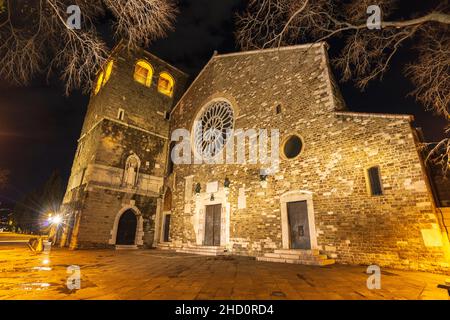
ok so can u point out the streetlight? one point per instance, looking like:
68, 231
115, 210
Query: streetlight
57, 220
54, 221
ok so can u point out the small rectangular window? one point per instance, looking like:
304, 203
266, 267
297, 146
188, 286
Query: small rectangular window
278, 109
167, 115
121, 114
375, 184
170, 162
80, 148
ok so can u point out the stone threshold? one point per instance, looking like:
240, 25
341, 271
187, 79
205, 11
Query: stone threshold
126, 247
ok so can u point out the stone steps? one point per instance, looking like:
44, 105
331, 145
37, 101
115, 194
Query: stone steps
166, 246
126, 247
203, 250
306, 257
194, 249
298, 261
297, 256
313, 252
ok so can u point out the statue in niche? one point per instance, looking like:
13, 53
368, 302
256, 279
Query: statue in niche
131, 171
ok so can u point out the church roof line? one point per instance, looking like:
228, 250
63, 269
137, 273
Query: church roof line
375, 115
267, 50
242, 53
192, 84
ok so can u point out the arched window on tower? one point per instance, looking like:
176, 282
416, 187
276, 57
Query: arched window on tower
108, 71
104, 76
143, 73
99, 83
166, 84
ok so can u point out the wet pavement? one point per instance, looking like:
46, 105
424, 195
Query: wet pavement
156, 274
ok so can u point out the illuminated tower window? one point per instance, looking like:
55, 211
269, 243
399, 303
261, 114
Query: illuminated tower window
143, 73
99, 83
104, 76
166, 84
108, 71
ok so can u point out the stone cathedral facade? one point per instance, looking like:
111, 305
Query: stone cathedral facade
342, 186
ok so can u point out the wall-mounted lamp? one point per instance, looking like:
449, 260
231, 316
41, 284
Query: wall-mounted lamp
263, 179
226, 182
212, 197
226, 185
198, 188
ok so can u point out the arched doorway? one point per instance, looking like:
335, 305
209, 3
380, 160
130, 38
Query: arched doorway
126, 230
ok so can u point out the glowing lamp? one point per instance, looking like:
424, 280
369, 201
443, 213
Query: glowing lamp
57, 219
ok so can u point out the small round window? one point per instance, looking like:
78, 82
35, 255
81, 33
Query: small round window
292, 147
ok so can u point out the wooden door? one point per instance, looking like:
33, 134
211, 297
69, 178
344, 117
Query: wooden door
298, 225
166, 228
212, 225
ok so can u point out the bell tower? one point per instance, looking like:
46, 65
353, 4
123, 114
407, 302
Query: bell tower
116, 181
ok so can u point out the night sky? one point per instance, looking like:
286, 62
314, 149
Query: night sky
39, 126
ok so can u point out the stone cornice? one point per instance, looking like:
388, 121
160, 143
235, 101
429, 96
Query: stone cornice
375, 115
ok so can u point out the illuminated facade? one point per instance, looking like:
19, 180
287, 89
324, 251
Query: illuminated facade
348, 187
118, 172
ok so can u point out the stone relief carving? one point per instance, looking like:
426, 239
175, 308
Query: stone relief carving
131, 171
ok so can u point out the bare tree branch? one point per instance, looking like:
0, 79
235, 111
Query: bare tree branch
367, 54
35, 37
3, 178
431, 72
142, 21
439, 155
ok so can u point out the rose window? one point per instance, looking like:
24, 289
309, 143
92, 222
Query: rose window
213, 128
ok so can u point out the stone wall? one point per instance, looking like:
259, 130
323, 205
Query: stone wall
97, 194
144, 107
100, 209
397, 229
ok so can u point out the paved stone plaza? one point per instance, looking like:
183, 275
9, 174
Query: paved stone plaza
154, 274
